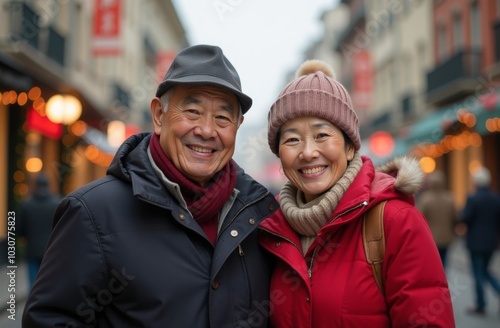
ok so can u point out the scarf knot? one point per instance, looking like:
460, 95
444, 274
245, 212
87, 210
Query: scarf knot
205, 202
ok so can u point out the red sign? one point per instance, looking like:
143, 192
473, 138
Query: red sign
131, 129
43, 125
106, 29
163, 61
381, 144
489, 101
363, 80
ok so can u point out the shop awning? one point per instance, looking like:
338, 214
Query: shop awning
483, 115
99, 139
431, 128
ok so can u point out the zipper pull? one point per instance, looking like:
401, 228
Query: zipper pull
240, 250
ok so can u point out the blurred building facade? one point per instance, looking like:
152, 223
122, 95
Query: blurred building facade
426, 73
108, 54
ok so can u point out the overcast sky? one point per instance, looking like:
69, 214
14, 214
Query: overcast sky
264, 39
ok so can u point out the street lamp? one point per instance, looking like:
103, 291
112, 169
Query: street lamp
63, 109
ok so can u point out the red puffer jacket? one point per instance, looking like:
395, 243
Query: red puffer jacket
333, 285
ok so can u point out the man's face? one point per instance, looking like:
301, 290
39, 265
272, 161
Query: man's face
198, 130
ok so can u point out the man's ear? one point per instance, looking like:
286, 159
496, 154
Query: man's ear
156, 113
241, 121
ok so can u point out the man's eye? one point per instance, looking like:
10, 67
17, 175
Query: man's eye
223, 118
191, 113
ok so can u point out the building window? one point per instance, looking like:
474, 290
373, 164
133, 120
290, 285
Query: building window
475, 25
442, 44
457, 32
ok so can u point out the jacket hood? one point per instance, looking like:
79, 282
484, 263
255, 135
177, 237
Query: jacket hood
400, 178
120, 165
404, 172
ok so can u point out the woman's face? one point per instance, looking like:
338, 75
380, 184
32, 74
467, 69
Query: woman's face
313, 154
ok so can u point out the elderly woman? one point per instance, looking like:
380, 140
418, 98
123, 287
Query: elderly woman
322, 277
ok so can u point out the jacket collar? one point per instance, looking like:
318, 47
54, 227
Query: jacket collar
400, 178
131, 164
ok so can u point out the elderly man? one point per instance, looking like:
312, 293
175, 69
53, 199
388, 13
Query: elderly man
169, 237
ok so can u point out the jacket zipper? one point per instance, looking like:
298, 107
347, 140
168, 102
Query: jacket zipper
309, 271
364, 203
245, 272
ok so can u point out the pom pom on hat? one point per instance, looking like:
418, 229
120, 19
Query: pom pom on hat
314, 65
314, 92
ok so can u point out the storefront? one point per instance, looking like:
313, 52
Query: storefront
30, 142
459, 138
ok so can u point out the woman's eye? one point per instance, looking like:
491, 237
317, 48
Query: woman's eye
290, 140
321, 135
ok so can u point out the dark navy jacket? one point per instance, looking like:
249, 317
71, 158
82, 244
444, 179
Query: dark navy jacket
124, 253
482, 217
35, 222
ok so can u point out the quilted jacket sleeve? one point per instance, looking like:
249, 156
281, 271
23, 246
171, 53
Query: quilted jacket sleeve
416, 287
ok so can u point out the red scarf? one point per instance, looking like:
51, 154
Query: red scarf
206, 202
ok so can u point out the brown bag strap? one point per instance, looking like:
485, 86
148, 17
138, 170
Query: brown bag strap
374, 241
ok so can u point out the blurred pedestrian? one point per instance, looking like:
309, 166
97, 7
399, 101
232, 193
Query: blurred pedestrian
35, 223
168, 238
481, 215
437, 205
322, 278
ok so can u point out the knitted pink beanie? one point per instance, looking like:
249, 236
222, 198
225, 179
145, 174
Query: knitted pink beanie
314, 92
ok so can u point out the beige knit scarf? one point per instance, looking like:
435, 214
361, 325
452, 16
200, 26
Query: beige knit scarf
308, 218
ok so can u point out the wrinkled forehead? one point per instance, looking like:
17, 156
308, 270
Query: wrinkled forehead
194, 93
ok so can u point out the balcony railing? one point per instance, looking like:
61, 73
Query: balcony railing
26, 29
465, 64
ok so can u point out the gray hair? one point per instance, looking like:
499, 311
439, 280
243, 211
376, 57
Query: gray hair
165, 99
481, 177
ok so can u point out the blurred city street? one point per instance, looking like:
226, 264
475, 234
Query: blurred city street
459, 279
